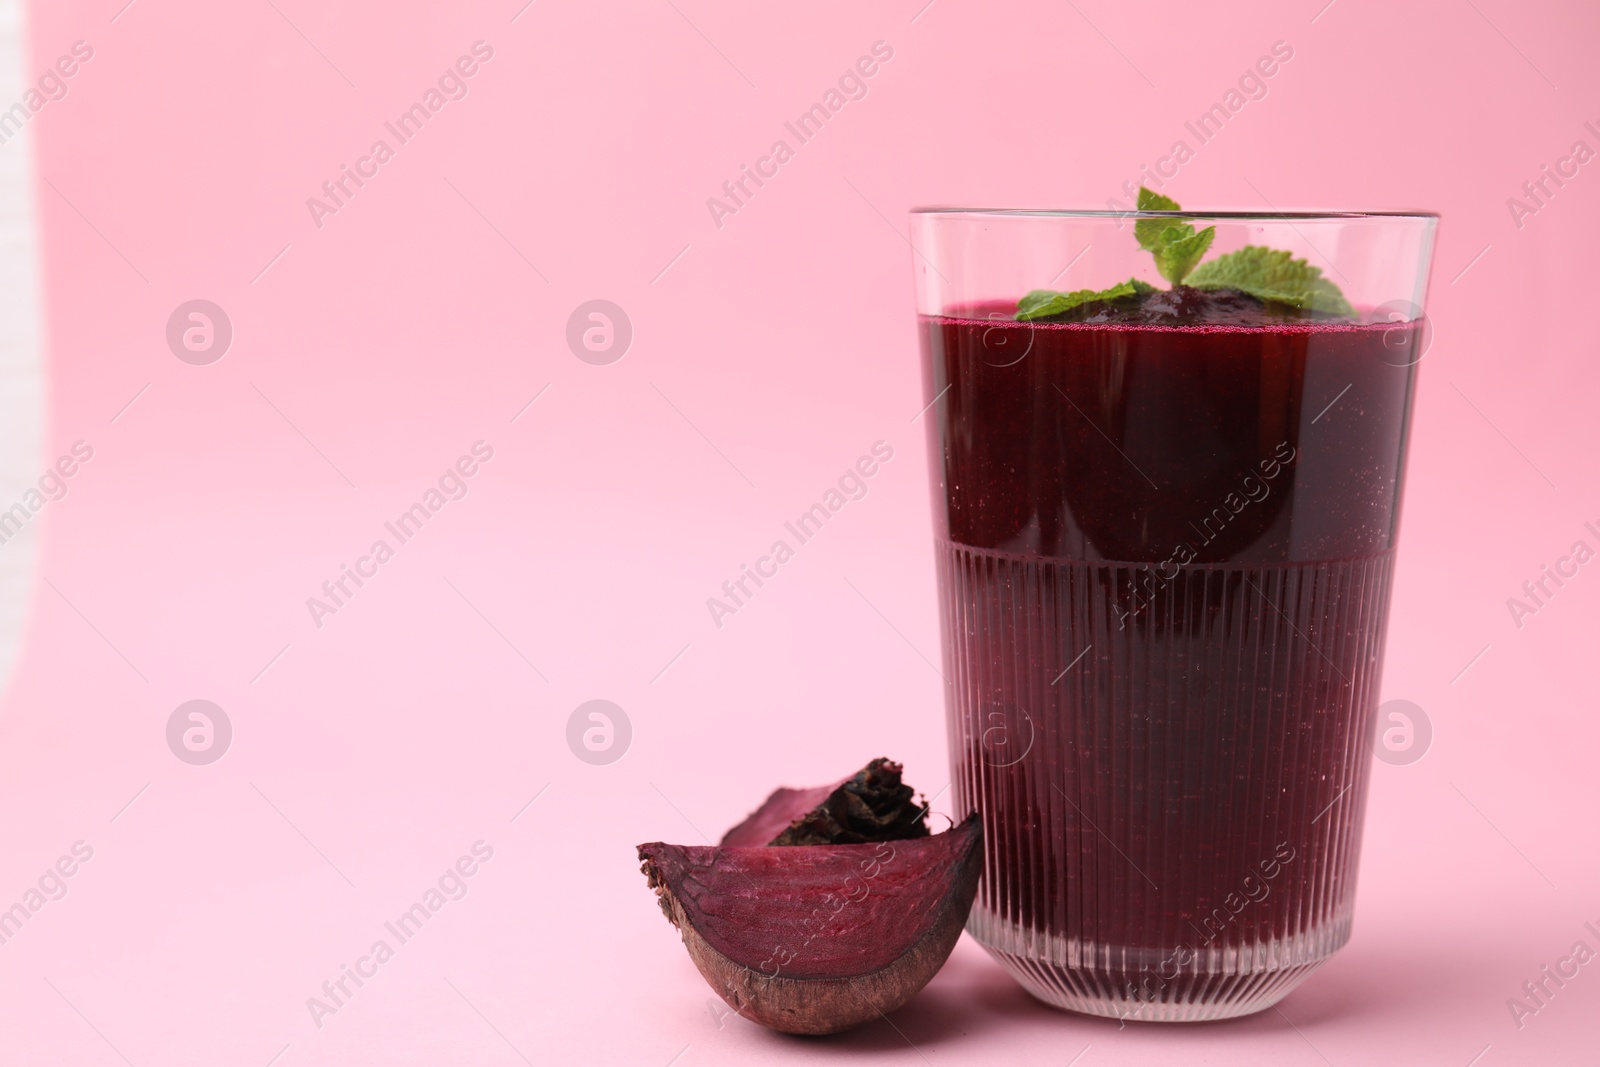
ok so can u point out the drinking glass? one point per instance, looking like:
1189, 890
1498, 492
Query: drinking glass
1165, 550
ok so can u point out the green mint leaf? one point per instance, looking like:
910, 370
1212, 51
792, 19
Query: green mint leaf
1178, 256
1175, 245
1150, 200
1149, 232
1273, 275
1043, 303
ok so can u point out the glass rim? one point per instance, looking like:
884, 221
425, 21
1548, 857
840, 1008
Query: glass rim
1199, 216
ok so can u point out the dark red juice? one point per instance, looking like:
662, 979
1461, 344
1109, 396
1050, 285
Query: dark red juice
1165, 556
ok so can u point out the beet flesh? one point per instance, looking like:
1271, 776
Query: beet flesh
783, 807
817, 939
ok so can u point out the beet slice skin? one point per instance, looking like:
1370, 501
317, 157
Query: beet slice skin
871, 805
818, 939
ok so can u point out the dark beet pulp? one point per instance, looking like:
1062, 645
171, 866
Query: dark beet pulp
1166, 533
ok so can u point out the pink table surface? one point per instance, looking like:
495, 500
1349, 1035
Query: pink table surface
768, 352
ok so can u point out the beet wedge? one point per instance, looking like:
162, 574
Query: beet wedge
817, 939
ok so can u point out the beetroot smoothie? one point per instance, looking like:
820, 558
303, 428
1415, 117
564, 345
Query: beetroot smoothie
1165, 538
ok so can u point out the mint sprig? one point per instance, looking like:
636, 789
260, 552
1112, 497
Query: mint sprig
1268, 274
1175, 245
1042, 303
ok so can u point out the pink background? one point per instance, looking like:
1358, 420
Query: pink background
766, 357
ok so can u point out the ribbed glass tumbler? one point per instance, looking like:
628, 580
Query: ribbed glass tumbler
1165, 529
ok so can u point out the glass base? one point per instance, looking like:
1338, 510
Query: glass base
1129, 984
